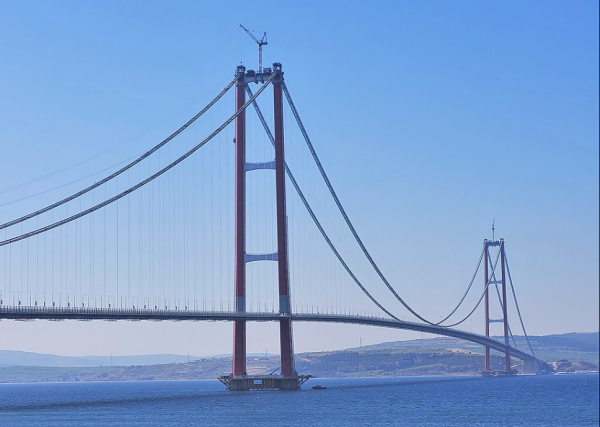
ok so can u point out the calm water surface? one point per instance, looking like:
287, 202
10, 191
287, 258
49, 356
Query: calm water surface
567, 400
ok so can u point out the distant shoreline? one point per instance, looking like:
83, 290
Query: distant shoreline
432, 357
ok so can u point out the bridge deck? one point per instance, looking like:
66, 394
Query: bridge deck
25, 313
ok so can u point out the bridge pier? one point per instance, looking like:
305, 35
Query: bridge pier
264, 382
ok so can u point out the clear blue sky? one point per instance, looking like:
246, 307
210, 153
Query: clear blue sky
432, 118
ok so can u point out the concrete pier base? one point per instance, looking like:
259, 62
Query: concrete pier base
263, 382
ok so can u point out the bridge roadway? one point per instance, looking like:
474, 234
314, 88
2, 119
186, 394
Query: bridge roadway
25, 313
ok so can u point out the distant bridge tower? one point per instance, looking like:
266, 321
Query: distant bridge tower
489, 280
239, 380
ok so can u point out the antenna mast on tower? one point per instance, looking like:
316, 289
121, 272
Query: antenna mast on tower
262, 42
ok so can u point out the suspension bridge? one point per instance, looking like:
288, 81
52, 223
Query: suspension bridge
200, 229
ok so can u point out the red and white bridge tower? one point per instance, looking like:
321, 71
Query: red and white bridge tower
239, 379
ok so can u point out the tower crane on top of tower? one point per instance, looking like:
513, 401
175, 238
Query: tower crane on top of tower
262, 42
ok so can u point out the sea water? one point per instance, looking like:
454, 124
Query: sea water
554, 400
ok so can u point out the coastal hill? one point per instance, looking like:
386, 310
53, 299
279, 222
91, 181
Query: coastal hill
575, 346
575, 352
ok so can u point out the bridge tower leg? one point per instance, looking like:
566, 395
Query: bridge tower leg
507, 368
239, 326
285, 325
486, 279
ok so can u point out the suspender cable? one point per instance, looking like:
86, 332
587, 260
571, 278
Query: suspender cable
124, 168
147, 180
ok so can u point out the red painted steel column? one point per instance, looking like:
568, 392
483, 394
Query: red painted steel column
239, 326
505, 308
285, 325
486, 358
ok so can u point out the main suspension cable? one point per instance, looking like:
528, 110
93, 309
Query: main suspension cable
124, 168
314, 217
66, 184
502, 304
147, 180
487, 285
517, 305
351, 226
467, 291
